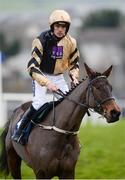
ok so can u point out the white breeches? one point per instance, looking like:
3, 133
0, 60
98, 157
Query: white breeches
42, 95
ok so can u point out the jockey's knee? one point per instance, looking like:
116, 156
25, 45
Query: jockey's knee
37, 104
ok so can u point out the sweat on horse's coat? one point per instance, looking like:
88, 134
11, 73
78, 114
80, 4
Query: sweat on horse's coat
50, 153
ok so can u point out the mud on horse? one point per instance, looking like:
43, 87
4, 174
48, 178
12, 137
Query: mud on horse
53, 149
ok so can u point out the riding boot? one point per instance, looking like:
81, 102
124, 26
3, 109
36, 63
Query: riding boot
22, 123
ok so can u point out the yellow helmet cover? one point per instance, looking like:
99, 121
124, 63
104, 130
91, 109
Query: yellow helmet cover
59, 16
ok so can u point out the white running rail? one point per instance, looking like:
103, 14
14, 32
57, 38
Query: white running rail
7, 103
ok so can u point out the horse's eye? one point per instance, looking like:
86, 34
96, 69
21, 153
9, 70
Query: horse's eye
98, 88
111, 87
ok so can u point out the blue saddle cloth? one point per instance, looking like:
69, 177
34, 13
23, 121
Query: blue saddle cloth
38, 117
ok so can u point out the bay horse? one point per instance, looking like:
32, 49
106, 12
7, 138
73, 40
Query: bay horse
53, 146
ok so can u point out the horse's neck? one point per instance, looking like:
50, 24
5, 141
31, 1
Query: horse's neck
70, 114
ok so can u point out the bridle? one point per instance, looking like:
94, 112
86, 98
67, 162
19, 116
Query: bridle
98, 107
89, 91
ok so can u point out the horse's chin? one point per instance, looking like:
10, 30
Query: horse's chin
112, 120
112, 117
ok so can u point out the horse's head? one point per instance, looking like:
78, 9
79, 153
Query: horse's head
99, 95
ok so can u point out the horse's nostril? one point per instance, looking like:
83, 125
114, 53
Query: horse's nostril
118, 114
115, 113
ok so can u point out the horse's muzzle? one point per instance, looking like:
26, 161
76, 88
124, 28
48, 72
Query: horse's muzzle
114, 116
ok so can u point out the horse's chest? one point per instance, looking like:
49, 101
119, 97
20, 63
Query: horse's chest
68, 156
67, 151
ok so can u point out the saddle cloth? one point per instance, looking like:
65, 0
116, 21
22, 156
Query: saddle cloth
38, 117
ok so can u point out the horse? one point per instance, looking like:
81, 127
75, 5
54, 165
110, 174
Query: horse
53, 146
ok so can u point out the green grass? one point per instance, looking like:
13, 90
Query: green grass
102, 153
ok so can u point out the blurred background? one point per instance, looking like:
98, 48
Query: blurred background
98, 26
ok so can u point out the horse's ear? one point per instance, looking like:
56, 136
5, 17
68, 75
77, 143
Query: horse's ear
89, 71
108, 71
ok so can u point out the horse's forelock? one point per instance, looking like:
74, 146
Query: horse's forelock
93, 76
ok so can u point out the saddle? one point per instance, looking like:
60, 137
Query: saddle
38, 117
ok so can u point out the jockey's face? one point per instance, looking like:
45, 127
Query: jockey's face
59, 29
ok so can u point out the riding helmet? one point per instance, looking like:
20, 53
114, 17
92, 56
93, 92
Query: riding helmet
59, 16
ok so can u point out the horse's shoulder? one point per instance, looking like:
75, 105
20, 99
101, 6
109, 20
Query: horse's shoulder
22, 107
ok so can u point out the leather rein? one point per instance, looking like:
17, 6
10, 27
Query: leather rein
98, 108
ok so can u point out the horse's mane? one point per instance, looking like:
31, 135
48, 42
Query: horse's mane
92, 77
96, 74
73, 88
67, 93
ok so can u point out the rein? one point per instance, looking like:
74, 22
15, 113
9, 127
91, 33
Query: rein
59, 92
53, 127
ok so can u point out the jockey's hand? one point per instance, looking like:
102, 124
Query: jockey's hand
74, 81
52, 87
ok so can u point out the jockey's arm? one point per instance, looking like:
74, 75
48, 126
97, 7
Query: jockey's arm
74, 64
34, 66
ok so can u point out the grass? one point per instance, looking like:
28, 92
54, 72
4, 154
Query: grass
102, 153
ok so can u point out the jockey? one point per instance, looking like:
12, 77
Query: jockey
53, 52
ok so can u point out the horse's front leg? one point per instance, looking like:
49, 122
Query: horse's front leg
67, 174
42, 175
